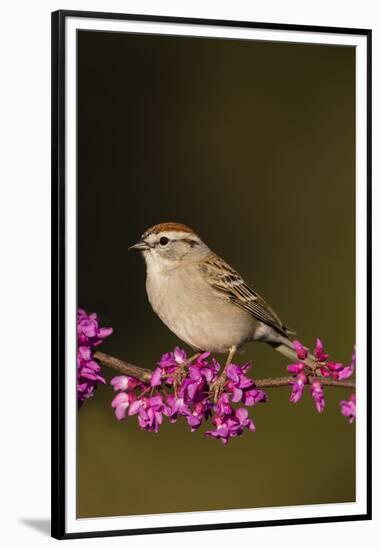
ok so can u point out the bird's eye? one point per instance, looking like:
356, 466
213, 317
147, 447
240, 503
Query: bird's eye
163, 241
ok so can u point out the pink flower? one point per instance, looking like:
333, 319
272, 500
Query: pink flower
223, 405
180, 356
318, 395
89, 335
150, 412
88, 330
298, 387
301, 351
200, 412
319, 354
156, 377
231, 425
242, 416
176, 405
345, 372
348, 408
121, 403
173, 359
199, 378
337, 371
243, 388
168, 364
296, 368
123, 383
254, 396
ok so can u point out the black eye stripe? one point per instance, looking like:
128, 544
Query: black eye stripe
163, 241
191, 242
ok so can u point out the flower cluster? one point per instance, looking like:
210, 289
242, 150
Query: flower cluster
314, 369
188, 392
89, 336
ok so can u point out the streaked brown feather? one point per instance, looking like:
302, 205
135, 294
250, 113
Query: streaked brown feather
229, 283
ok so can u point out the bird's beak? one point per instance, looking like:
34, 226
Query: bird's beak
141, 245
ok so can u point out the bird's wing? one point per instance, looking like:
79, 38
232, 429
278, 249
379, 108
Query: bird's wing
230, 285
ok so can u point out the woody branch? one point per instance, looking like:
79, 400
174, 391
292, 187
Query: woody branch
144, 375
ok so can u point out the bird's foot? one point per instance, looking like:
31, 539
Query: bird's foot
218, 386
178, 376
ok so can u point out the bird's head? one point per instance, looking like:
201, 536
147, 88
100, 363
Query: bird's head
166, 243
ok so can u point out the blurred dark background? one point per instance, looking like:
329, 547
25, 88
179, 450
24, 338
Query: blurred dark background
253, 145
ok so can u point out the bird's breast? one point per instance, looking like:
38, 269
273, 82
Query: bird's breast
173, 296
187, 304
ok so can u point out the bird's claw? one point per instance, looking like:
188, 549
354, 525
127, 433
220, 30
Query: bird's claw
218, 386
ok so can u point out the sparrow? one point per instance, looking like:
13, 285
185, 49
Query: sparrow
202, 299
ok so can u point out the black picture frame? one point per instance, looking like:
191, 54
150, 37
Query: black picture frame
59, 244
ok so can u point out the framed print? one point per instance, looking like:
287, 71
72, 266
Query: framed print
211, 362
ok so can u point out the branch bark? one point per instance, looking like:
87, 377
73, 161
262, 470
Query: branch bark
123, 367
145, 374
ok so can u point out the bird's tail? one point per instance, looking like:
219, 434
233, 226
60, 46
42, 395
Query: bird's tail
286, 348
